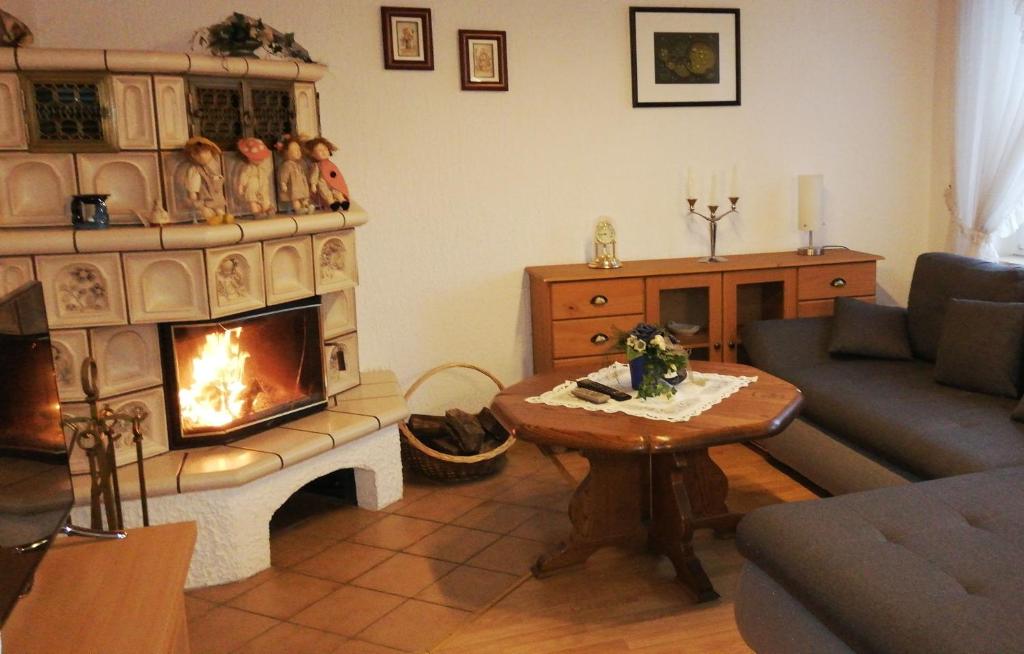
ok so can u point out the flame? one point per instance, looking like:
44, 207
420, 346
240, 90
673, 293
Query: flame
215, 397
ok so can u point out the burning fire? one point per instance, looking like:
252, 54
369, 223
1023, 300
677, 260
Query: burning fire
217, 395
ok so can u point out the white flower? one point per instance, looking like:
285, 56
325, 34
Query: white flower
659, 342
634, 343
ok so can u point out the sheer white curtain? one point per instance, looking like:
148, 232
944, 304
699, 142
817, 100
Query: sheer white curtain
988, 177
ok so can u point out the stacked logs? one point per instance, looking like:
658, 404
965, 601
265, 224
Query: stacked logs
459, 433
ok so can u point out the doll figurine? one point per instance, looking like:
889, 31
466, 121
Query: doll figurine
325, 178
204, 185
252, 184
292, 181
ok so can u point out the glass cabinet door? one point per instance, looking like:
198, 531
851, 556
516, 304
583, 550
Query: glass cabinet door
690, 307
752, 295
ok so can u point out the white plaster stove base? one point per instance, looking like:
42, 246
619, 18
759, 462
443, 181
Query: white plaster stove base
234, 523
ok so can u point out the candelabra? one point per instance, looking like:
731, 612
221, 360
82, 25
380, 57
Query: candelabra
713, 217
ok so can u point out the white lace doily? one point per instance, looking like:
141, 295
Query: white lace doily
698, 393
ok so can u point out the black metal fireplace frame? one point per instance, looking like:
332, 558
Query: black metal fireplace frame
176, 439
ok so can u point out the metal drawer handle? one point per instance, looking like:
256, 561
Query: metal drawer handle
599, 338
598, 300
718, 346
838, 282
732, 345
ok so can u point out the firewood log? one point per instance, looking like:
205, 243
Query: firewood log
468, 432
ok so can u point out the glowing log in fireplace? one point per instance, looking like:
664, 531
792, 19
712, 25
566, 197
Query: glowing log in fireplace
218, 393
234, 376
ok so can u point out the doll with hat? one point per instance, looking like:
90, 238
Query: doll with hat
252, 183
204, 184
292, 179
325, 178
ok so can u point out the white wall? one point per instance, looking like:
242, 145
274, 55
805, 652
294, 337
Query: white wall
465, 189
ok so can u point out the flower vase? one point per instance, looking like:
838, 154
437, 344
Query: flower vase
636, 371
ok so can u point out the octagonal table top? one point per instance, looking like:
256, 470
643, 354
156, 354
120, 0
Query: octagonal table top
761, 409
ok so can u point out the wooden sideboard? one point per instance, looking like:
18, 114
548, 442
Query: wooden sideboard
579, 313
115, 597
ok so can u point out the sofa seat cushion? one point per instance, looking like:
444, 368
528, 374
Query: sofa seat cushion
928, 567
896, 409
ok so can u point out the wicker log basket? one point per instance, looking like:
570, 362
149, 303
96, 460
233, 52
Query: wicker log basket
440, 466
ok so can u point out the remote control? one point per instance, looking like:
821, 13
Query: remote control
592, 385
590, 396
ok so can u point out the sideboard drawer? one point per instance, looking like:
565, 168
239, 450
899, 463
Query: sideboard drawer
849, 279
591, 336
609, 297
820, 308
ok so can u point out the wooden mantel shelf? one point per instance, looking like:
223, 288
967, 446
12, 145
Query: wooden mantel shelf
652, 267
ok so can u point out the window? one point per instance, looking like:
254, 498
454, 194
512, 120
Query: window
69, 112
226, 110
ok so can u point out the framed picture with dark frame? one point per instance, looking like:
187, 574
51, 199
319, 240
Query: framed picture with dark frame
483, 60
408, 39
684, 56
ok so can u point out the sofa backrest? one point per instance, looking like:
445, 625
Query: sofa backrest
938, 277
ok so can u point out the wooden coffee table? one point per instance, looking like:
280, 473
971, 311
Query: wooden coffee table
648, 475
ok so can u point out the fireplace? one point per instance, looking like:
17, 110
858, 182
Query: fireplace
228, 378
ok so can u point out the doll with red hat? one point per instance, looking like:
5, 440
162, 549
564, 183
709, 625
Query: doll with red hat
252, 185
325, 178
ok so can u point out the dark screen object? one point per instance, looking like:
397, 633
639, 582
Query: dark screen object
35, 480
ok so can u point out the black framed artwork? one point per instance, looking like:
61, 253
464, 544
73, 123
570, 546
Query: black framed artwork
685, 56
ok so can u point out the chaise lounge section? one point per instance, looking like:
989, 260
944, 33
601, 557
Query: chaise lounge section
934, 566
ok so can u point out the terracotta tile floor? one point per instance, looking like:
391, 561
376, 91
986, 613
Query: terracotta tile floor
446, 569
345, 580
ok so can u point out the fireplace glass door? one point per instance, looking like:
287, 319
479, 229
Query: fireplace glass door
232, 377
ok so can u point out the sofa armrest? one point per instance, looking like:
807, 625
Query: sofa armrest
779, 345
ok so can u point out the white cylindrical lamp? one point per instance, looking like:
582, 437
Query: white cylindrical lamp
810, 209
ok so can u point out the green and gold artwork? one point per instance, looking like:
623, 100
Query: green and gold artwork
686, 58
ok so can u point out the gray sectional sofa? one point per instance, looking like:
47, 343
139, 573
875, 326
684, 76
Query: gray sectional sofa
930, 556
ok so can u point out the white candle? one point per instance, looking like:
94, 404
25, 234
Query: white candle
689, 183
734, 186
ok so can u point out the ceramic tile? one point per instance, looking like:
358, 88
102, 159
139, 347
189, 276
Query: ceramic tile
221, 466
468, 588
512, 555
371, 391
287, 638
283, 595
546, 526
347, 611
363, 647
224, 592
486, 488
395, 532
343, 562
379, 376
415, 626
388, 410
342, 427
441, 506
196, 608
495, 516
403, 574
342, 522
294, 545
291, 445
455, 544
225, 629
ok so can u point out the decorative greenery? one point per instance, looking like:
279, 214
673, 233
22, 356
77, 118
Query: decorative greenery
663, 358
241, 35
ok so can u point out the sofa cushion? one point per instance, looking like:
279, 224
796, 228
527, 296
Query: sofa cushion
869, 330
980, 348
895, 409
938, 277
928, 567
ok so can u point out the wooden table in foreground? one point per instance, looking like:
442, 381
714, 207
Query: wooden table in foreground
648, 475
115, 597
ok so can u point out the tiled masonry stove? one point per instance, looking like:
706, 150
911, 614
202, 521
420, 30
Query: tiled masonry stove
225, 334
